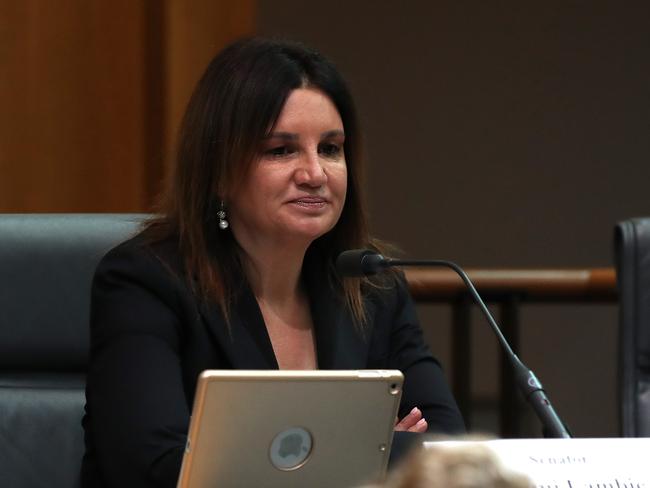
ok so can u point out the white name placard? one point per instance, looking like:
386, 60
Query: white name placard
573, 463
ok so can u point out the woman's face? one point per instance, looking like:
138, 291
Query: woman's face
296, 188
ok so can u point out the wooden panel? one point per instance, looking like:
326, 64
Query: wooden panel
196, 31
91, 93
71, 120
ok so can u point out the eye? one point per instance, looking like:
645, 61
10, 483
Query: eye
330, 149
278, 151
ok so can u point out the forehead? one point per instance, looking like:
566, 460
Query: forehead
308, 109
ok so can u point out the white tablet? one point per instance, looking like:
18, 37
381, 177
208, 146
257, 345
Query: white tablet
290, 428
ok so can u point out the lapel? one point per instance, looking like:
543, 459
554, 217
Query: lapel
246, 343
338, 343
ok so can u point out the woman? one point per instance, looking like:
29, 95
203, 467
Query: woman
237, 272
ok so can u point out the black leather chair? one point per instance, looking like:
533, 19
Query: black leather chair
46, 266
632, 249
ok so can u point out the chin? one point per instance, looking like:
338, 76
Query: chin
308, 232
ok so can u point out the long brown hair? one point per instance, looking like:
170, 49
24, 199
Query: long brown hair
234, 105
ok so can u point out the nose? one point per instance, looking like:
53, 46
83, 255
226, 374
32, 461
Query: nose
310, 171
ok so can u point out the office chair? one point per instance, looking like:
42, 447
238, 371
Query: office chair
632, 253
46, 266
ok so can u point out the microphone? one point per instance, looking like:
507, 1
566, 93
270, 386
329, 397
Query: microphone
365, 262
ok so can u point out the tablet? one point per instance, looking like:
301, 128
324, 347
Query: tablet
290, 428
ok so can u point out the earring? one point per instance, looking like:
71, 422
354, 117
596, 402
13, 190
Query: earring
221, 214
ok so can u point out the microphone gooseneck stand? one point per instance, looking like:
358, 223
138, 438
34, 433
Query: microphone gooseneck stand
366, 262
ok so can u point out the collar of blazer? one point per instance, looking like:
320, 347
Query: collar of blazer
339, 345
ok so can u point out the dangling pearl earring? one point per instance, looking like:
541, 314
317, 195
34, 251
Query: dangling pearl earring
223, 223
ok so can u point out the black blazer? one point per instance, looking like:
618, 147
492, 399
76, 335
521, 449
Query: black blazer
151, 338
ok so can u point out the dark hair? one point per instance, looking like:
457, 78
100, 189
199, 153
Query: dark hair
235, 104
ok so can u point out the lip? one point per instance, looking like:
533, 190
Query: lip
309, 201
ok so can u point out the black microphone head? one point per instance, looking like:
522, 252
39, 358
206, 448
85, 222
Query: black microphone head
359, 262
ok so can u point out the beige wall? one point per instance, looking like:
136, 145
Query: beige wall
501, 134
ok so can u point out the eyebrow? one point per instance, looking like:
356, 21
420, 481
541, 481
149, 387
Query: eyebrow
289, 136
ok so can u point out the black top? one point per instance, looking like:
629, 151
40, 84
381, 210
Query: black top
151, 338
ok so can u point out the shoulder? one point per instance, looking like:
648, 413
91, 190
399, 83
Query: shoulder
140, 256
139, 288
387, 291
141, 267
389, 306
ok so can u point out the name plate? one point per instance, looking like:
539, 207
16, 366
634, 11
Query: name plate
573, 463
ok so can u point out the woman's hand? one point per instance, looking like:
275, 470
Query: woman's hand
413, 422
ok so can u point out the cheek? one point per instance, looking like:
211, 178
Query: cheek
338, 181
263, 187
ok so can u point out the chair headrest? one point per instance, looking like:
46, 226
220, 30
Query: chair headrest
47, 262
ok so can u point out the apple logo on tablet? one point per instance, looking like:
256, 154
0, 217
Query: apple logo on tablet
290, 448
291, 445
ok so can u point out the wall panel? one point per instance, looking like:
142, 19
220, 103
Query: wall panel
71, 123
196, 31
89, 98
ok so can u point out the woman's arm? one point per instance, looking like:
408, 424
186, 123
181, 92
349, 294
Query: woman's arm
425, 385
138, 414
